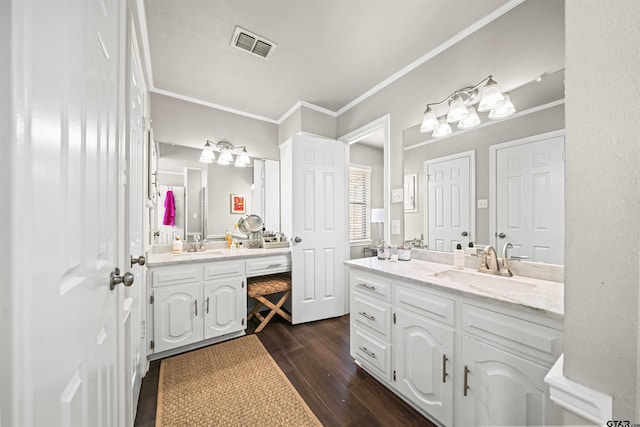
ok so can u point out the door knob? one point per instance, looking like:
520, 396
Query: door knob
464, 234
115, 278
140, 260
297, 239
502, 235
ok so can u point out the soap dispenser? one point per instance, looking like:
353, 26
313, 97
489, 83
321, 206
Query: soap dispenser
458, 257
177, 245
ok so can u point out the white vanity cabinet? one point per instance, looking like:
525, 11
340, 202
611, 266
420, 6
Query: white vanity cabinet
458, 360
197, 302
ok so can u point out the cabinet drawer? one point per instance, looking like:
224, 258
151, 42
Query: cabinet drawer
373, 314
268, 265
522, 336
176, 275
425, 303
373, 353
222, 269
371, 285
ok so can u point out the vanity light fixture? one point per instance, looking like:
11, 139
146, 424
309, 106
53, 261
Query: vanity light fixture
227, 150
461, 110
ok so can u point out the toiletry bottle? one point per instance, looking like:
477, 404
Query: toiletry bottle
458, 257
177, 245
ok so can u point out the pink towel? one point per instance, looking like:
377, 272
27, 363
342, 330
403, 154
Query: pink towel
169, 209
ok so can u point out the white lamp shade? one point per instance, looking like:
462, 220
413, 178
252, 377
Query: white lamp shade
471, 121
443, 130
377, 215
429, 121
242, 160
225, 158
491, 97
457, 110
505, 110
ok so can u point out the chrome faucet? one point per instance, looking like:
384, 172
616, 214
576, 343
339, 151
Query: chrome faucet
504, 269
489, 263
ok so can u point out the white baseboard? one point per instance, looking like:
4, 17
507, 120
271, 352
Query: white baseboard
577, 398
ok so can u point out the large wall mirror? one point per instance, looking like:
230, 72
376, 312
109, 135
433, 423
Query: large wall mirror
480, 186
204, 194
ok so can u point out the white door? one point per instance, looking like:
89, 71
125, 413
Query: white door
530, 199
135, 191
64, 204
450, 201
315, 188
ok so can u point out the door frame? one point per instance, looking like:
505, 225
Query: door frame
471, 154
493, 185
356, 135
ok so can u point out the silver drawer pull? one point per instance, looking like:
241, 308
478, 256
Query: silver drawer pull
367, 352
368, 316
274, 265
365, 286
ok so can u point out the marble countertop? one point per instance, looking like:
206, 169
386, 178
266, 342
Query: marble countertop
168, 258
541, 296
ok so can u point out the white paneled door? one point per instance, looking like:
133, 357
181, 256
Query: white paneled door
66, 59
530, 199
134, 362
449, 198
318, 218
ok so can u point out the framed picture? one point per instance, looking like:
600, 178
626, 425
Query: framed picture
238, 204
410, 193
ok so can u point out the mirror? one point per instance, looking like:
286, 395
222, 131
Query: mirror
203, 193
540, 111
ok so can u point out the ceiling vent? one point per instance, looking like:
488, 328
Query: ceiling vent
252, 43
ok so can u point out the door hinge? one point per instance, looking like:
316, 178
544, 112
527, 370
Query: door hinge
243, 284
394, 374
152, 345
151, 299
242, 322
394, 318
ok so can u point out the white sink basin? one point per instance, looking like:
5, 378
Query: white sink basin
487, 282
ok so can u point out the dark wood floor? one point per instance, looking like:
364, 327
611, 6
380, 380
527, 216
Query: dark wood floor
315, 357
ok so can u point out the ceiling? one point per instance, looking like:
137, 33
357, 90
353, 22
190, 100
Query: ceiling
329, 52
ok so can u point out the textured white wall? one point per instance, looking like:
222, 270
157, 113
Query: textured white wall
602, 271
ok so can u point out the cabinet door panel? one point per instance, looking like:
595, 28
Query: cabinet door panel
177, 321
504, 389
224, 306
420, 365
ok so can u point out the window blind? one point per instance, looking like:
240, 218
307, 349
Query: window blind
359, 203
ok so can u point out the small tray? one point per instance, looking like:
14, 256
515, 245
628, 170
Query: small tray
274, 245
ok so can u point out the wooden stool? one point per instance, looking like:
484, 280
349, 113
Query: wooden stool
258, 287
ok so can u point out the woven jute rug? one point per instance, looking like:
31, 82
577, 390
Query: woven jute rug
234, 383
